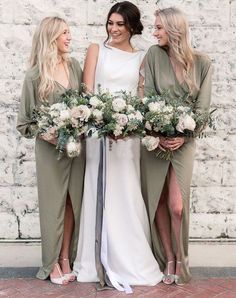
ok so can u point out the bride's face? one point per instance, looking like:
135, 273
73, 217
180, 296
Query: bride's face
117, 29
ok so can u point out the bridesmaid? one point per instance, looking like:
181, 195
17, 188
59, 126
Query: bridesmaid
60, 183
173, 65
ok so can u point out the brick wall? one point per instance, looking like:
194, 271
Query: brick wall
213, 28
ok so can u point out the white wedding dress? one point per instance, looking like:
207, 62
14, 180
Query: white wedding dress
126, 250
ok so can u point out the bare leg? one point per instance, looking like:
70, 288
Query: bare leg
176, 208
63, 267
164, 227
68, 231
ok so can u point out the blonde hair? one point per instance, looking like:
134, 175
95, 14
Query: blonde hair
44, 53
176, 26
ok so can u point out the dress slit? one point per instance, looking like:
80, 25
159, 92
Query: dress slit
150, 166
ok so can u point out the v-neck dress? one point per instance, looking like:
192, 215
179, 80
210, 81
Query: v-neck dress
55, 178
159, 77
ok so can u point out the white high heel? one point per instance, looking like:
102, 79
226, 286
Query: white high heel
62, 280
168, 278
177, 277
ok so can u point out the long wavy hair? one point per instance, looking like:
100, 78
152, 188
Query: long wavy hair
176, 26
44, 53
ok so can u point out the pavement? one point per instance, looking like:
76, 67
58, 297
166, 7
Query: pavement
213, 266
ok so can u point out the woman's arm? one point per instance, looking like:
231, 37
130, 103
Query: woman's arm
25, 125
204, 95
90, 67
203, 99
141, 80
149, 86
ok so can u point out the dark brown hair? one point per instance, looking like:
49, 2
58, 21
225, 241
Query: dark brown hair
131, 16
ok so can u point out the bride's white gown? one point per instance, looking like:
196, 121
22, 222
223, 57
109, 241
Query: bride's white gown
125, 249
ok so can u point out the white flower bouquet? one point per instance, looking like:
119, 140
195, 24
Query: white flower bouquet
66, 121
170, 118
116, 115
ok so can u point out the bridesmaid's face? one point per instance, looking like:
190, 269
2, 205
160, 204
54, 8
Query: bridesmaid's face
63, 40
160, 33
117, 29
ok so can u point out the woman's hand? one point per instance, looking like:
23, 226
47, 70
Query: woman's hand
162, 143
52, 140
173, 143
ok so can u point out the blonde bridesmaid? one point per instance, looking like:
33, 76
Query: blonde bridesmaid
173, 65
60, 183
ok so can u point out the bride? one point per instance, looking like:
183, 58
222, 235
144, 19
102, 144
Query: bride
125, 252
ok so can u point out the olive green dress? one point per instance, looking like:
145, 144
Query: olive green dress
160, 76
55, 178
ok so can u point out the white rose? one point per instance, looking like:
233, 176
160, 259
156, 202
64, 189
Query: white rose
186, 122
144, 100
131, 116
153, 106
75, 112
84, 112
73, 148
121, 119
151, 143
189, 122
94, 101
118, 104
98, 115
148, 125
138, 116
64, 115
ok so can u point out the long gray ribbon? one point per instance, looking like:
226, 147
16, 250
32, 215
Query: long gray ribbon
99, 217
109, 278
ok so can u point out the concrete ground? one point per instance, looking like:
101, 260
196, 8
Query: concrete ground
213, 266
207, 254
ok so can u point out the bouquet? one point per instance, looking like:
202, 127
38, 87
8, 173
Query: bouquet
67, 121
116, 115
168, 117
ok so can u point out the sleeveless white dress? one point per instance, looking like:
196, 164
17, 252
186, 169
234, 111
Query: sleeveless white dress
126, 250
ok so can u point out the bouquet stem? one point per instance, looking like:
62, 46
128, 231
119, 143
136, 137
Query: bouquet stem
167, 155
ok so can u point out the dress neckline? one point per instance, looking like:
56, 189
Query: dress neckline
69, 78
181, 84
126, 52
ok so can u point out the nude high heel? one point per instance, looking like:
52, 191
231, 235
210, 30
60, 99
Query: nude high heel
69, 276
